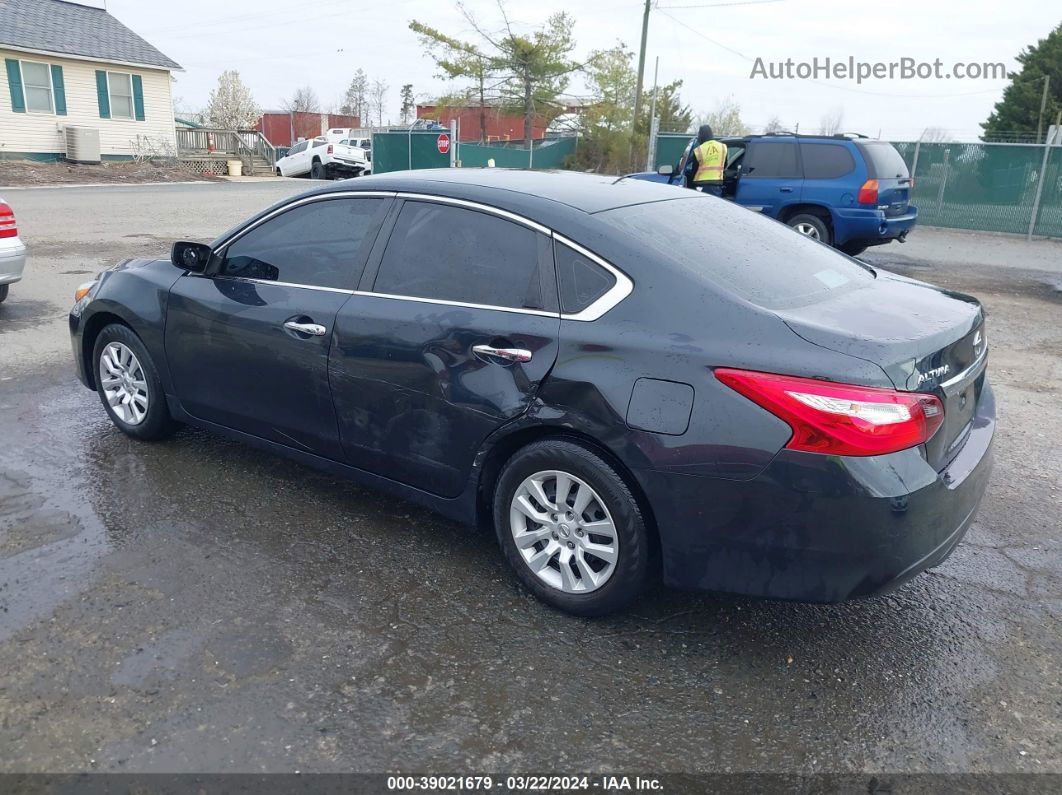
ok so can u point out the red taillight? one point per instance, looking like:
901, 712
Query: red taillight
868, 194
330, 149
839, 419
7, 221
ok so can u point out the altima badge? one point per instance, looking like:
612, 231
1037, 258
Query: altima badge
936, 372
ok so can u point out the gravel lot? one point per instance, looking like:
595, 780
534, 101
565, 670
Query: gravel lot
197, 605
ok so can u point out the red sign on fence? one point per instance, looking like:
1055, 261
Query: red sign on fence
443, 143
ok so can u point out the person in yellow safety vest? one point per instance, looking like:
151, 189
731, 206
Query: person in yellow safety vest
704, 170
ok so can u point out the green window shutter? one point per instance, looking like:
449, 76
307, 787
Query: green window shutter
14, 82
138, 97
102, 96
59, 90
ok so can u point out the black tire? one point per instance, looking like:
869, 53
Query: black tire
853, 249
318, 171
4, 290
631, 571
278, 173
813, 221
157, 422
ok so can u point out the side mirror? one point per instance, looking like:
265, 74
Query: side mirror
666, 171
190, 256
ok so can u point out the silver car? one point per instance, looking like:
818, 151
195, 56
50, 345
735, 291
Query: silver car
12, 250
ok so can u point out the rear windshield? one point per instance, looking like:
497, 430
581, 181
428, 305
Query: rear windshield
883, 161
759, 259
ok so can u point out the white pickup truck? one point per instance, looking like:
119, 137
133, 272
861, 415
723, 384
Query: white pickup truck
323, 159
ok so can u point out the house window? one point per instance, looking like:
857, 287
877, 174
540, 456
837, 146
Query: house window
37, 87
120, 88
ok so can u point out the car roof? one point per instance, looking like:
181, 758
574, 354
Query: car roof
507, 188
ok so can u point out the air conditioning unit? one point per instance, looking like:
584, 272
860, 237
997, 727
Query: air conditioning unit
82, 144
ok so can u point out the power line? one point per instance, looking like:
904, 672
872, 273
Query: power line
723, 5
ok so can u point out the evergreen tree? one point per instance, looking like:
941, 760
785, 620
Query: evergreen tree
1018, 113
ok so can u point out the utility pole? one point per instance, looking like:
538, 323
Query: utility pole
1043, 106
641, 76
653, 123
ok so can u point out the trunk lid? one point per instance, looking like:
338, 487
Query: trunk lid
926, 339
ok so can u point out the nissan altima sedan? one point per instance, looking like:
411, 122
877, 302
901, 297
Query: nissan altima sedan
625, 380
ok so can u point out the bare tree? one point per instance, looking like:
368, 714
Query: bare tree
725, 119
378, 100
830, 123
774, 124
356, 98
231, 105
934, 135
304, 100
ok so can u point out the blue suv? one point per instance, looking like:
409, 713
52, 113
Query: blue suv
849, 192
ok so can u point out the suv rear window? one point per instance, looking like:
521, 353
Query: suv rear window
772, 159
757, 258
883, 161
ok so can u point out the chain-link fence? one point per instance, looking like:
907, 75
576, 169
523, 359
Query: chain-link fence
987, 187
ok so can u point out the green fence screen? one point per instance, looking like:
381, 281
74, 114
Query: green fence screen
986, 187
669, 148
550, 153
398, 151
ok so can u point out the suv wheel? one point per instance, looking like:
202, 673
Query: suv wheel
317, 171
128, 385
811, 225
4, 290
571, 529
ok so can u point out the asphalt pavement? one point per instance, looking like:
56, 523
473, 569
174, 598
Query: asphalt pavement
198, 605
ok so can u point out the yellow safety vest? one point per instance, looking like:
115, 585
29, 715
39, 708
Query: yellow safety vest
711, 159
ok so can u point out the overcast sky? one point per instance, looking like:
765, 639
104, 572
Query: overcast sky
278, 45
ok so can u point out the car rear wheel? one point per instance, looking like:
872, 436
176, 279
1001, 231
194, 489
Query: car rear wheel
4, 290
571, 529
811, 225
317, 171
129, 386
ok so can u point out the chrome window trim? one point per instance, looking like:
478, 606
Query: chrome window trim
620, 290
477, 206
623, 287
346, 194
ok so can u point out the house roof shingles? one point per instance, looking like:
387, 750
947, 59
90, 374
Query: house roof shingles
57, 26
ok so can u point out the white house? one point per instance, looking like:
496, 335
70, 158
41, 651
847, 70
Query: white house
70, 63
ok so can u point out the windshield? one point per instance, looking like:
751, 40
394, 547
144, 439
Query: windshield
759, 259
883, 161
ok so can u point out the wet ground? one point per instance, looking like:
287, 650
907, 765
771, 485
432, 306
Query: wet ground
198, 605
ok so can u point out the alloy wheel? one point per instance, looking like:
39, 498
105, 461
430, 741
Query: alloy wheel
807, 229
564, 532
123, 383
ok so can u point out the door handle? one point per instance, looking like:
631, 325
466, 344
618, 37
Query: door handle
509, 354
313, 329
786, 189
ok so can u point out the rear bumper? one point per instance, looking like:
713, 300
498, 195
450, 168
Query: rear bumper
872, 227
821, 528
12, 260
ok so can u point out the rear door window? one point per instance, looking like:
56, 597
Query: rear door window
826, 161
449, 253
771, 160
581, 281
321, 244
758, 259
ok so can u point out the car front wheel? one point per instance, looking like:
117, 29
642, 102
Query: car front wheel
129, 386
571, 529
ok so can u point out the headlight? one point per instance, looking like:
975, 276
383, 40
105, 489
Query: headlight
82, 295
